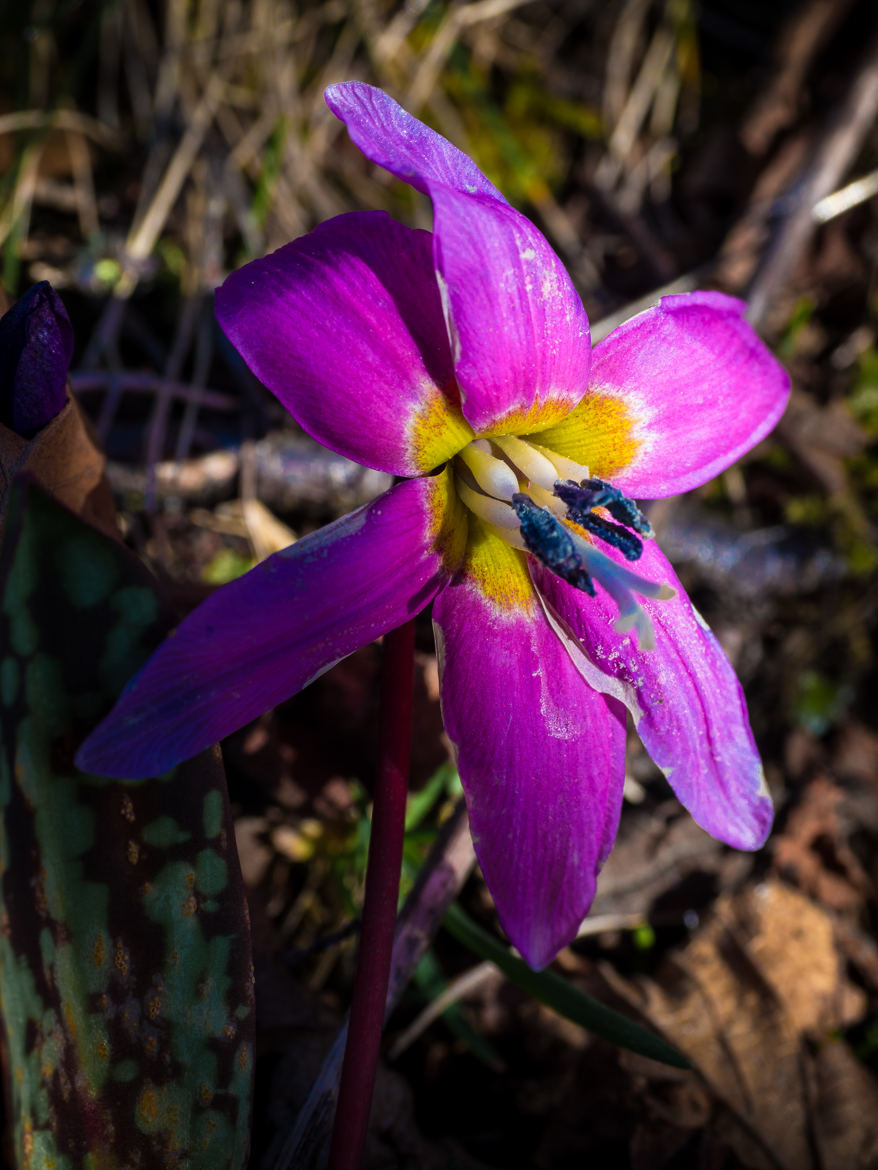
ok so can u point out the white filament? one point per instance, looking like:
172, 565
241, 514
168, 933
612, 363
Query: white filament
491, 474
530, 462
566, 468
493, 512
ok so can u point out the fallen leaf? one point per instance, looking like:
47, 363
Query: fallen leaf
753, 1001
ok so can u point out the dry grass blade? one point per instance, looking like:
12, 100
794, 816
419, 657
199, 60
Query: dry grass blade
61, 119
456, 990
647, 86
143, 236
833, 155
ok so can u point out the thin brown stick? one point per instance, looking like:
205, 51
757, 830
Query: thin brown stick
62, 119
85, 380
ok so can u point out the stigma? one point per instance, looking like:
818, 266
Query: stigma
550, 507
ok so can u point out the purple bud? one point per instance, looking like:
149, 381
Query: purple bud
36, 345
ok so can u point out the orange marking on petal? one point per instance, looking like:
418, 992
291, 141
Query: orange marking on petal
437, 432
598, 433
498, 570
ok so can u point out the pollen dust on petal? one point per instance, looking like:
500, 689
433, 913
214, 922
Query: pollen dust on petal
599, 434
543, 413
437, 432
497, 570
448, 532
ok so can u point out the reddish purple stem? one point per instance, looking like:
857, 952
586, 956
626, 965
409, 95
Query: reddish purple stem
379, 903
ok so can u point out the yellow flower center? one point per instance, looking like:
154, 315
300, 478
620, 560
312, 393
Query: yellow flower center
540, 502
489, 472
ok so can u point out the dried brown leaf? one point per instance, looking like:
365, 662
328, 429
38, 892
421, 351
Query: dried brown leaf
759, 984
65, 459
814, 849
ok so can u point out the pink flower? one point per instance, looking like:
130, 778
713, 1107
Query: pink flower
460, 359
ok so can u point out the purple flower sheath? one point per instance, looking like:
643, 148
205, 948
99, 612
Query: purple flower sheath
460, 360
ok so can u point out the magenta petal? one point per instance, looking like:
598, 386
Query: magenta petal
699, 385
345, 326
687, 703
263, 637
519, 332
541, 758
391, 137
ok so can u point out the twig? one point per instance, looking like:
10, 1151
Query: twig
847, 197
142, 238
83, 185
86, 380
638, 105
203, 355
804, 36
430, 66
70, 120
624, 50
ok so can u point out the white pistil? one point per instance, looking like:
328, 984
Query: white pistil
491, 474
622, 584
493, 512
539, 470
600, 566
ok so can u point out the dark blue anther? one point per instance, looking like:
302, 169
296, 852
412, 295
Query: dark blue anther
596, 493
548, 540
628, 544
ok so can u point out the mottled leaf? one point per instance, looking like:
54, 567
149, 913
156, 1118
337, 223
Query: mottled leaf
125, 970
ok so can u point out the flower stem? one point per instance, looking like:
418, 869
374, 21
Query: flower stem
379, 903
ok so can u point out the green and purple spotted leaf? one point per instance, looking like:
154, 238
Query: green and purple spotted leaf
125, 968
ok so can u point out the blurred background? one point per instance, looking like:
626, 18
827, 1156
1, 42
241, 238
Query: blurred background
148, 147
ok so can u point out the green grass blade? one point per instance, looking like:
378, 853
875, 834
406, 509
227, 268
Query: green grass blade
559, 995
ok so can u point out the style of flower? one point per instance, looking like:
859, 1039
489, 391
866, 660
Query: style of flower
460, 359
